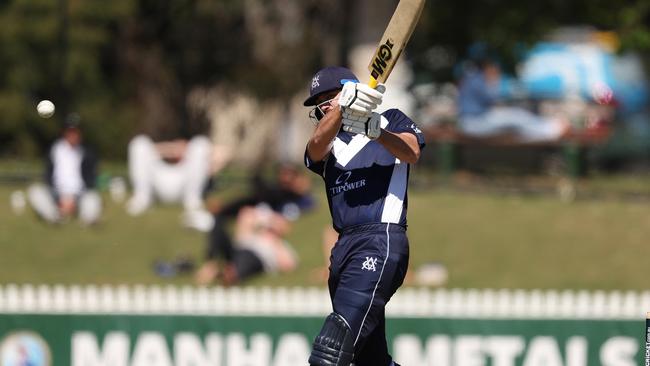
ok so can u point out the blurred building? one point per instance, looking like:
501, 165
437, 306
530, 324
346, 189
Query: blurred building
581, 68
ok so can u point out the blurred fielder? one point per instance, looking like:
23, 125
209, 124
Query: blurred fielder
364, 160
70, 180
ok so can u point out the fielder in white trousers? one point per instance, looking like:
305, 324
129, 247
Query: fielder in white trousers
153, 178
42, 200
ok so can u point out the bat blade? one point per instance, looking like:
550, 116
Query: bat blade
395, 38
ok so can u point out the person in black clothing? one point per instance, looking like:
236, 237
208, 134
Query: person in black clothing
262, 221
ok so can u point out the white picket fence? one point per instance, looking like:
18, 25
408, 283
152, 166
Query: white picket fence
312, 301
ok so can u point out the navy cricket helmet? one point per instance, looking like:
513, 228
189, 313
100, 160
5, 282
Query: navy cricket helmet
328, 79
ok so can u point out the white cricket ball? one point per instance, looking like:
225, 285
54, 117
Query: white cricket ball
45, 108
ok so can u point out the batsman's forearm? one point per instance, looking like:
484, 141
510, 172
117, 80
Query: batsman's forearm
319, 144
403, 146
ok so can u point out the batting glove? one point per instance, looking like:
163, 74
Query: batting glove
360, 98
367, 126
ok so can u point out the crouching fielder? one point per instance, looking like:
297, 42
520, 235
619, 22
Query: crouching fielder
70, 181
364, 159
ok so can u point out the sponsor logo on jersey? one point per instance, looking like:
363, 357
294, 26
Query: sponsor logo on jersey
343, 178
384, 54
342, 184
24, 348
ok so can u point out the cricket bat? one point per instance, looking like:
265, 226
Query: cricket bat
395, 38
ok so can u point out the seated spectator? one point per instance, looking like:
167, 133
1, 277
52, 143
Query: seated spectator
480, 114
262, 221
70, 179
258, 246
172, 172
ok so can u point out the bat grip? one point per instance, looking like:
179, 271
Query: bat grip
373, 82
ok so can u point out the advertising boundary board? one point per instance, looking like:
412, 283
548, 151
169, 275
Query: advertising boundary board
151, 340
186, 326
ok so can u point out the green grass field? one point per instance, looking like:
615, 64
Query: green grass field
486, 240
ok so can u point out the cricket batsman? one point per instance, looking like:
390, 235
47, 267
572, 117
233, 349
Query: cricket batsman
364, 159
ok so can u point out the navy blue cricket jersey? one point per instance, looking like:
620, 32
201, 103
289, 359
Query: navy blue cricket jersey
365, 183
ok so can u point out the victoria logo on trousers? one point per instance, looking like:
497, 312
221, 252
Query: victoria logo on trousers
370, 264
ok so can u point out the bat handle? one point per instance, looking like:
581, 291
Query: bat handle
373, 82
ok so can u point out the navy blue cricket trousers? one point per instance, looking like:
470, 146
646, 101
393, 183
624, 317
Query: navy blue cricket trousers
367, 265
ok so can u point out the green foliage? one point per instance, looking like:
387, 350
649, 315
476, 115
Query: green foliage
57, 51
508, 25
128, 65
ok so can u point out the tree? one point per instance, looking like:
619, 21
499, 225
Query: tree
128, 66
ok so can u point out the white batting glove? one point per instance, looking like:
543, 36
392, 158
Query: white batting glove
352, 115
360, 98
367, 126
